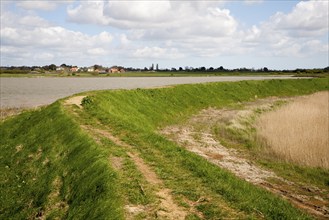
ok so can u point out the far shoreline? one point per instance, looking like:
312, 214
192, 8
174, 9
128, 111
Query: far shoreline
18, 92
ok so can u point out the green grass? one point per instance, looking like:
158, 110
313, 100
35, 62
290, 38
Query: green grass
41, 146
48, 162
148, 109
137, 114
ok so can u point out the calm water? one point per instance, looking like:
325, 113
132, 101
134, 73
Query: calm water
32, 92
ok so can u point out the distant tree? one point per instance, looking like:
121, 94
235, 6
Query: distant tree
26, 68
265, 69
35, 68
45, 67
221, 68
173, 69
63, 65
211, 69
52, 67
145, 69
180, 69
97, 67
203, 68
243, 69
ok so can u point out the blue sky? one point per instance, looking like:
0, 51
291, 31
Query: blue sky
247, 33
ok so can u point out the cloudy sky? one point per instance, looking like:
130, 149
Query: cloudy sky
285, 34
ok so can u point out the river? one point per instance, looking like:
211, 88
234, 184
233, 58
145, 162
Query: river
33, 92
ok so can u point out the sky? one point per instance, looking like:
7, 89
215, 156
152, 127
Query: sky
285, 34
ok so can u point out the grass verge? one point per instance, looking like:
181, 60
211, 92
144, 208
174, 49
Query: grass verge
50, 169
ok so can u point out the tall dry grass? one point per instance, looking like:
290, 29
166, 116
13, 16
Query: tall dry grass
299, 131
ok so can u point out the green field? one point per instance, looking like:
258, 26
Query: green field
66, 162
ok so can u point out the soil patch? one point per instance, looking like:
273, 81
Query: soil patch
76, 100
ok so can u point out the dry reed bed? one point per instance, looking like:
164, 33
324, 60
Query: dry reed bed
299, 130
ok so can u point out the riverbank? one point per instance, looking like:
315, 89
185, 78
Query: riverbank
106, 159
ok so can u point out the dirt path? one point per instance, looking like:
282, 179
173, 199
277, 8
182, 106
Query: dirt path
75, 100
167, 209
196, 136
207, 147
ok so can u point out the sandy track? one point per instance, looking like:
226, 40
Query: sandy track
167, 208
75, 100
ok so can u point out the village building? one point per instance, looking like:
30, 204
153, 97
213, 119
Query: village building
74, 69
117, 69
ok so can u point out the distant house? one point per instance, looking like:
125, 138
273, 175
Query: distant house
117, 69
90, 69
59, 68
74, 69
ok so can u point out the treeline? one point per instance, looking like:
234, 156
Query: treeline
221, 69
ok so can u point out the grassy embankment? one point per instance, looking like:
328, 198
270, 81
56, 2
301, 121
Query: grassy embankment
52, 168
49, 168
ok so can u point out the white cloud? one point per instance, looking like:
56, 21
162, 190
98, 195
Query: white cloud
138, 11
172, 18
43, 5
124, 41
103, 38
97, 51
43, 56
253, 2
37, 5
33, 21
291, 34
157, 52
185, 23
138, 31
88, 12
24, 21
309, 18
55, 38
44, 42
